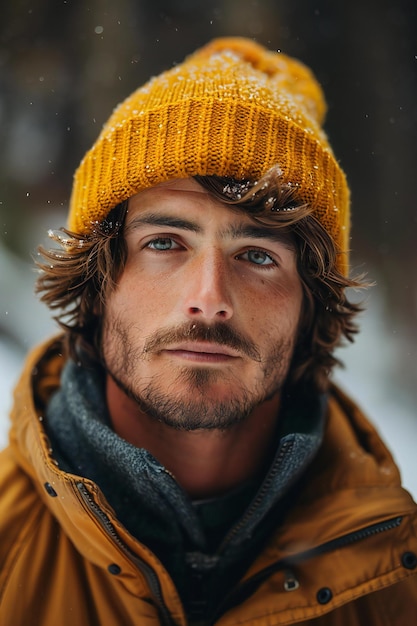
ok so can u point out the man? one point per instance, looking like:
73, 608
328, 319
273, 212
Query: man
179, 455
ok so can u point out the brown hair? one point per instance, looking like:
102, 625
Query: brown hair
77, 277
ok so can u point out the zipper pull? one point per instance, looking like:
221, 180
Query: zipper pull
290, 581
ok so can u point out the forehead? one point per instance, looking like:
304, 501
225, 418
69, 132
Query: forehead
173, 194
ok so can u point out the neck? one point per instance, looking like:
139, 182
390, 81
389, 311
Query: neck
206, 463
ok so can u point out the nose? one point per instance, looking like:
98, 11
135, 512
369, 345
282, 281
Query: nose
207, 289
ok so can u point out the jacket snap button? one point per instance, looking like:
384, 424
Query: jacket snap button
50, 490
409, 560
324, 595
114, 569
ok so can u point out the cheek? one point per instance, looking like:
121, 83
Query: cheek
140, 306
145, 285
279, 308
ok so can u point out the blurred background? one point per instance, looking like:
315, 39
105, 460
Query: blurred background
65, 64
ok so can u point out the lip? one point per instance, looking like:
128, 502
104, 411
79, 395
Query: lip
203, 351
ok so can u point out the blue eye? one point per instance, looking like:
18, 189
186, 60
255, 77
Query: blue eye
258, 257
162, 243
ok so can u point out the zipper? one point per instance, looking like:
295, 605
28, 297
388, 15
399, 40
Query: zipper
286, 447
358, 535
244, 590
147, 571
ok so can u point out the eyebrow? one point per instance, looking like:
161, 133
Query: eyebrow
234, 231
158, 219
254, 231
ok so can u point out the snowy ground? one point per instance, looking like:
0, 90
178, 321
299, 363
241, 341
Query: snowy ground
368, 378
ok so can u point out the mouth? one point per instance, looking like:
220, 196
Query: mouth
203, 352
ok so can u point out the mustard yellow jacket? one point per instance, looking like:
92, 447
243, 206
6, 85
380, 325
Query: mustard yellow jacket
346, 555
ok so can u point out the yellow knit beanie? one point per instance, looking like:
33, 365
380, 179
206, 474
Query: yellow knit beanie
232, 108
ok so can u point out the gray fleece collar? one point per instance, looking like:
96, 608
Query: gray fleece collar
146, 498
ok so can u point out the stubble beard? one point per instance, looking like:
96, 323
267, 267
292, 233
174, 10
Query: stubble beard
196, 408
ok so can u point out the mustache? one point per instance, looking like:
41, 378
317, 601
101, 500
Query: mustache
217, 333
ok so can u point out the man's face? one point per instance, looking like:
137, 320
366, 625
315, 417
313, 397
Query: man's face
201, 327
